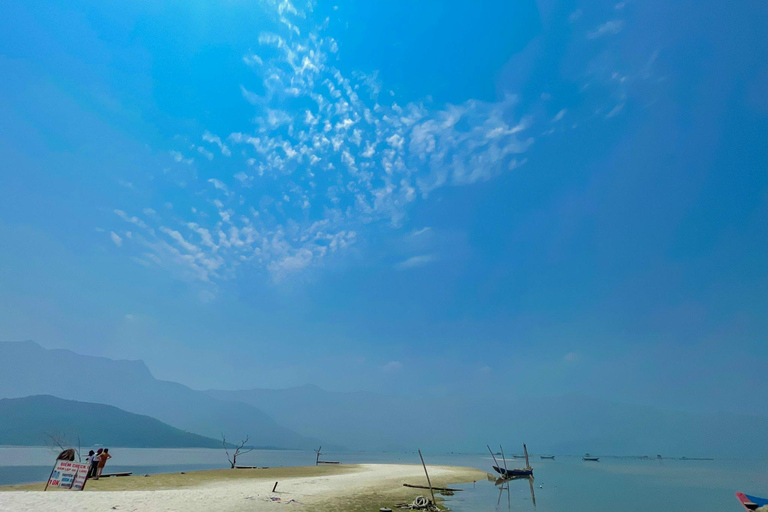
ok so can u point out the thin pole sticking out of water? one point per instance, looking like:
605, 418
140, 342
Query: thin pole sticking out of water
492, 455
527, 464
503, 457
533, 494
428, 481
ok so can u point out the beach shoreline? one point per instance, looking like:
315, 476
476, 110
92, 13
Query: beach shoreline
345, 487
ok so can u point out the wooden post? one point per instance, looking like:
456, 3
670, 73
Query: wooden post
317, 460
428, 481
503, 457
275, 487
525, 451
533, 494
492, 455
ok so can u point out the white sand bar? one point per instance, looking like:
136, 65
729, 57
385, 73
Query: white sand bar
335, 491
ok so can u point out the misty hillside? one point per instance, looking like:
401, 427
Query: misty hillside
306, 416
26, 421
565, 424
27, 369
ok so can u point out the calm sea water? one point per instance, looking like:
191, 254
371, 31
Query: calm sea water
566, 484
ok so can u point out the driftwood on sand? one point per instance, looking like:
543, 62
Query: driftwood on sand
447, 489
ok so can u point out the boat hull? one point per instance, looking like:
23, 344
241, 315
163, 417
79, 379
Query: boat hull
511, 473
750, 502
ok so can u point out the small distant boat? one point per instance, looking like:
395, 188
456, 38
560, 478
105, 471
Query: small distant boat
550, 457
751, 502
590, 458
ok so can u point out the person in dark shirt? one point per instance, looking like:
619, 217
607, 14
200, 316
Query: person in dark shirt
95, 459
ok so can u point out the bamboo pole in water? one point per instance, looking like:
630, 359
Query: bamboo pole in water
428, 481
503, 457
492, 455
525, 450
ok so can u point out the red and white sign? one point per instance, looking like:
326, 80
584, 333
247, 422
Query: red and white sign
69, 475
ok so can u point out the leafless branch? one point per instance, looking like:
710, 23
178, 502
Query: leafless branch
232, 458
58, 440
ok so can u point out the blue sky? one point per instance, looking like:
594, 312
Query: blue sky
393, 196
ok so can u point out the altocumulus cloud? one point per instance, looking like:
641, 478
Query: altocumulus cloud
325, 157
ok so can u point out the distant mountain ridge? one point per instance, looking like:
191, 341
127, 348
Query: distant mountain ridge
27, 421
27, 369
307, 416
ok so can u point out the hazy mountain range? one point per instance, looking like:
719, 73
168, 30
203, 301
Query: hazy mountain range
26, 369
306, 416
28, 421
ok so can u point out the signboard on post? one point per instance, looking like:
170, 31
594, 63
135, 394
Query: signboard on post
68, 475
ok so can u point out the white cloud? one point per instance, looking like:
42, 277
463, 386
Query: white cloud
607, 28
244, 179
132, 219
415, 261
392, 367
253, 60
614, 111
116, 238
218, 185
325, 156
207, 154
575, 16
178, 157
215, 139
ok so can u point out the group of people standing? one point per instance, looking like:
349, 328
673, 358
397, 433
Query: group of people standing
97, 460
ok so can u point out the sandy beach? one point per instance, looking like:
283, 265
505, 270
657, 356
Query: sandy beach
346, 487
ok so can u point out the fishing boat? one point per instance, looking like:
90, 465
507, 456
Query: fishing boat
512, 473
548, 457
751, 502
590, 458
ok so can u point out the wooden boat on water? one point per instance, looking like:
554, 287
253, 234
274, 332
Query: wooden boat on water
547, 457
512, 473
751, 502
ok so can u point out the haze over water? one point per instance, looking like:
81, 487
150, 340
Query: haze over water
565, 484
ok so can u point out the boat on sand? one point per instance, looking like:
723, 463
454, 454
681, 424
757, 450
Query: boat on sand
752, 502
